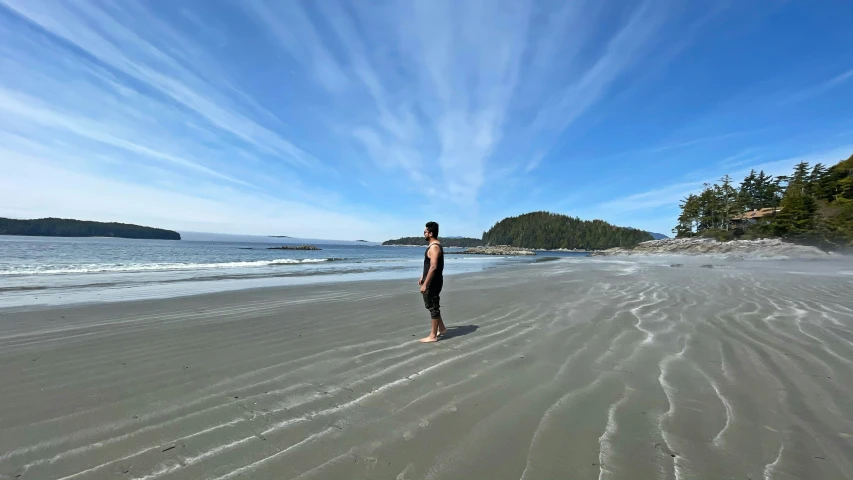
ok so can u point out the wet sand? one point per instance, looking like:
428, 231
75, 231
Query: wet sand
566, 369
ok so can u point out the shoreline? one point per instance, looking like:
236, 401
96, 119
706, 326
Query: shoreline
96, 294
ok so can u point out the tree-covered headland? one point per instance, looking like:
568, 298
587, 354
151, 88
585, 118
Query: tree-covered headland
813, 205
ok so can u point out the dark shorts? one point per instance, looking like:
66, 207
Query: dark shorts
433, 304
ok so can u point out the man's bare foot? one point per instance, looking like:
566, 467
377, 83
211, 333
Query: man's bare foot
442, 332
429, 339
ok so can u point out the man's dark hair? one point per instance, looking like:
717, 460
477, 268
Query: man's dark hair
432, 228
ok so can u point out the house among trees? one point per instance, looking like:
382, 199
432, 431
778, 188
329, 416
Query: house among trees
754, 216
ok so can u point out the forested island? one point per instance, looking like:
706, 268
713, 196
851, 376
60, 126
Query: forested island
446, 241
551, 231
62, 227
545, 231
813, 205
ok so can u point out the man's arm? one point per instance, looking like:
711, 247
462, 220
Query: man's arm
433, 264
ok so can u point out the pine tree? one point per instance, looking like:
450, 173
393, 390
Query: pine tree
728, 202
797, 210
689, 218
818, 181
746, 196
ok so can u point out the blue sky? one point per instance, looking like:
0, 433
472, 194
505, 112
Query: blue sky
346, 120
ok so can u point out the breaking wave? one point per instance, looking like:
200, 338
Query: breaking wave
146, 267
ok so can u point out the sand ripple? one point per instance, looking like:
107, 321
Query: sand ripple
570, 369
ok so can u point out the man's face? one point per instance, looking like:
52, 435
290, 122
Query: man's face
426, 234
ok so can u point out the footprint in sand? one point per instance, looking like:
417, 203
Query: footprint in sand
424, 423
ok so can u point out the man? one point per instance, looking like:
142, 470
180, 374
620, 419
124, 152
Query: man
432, 280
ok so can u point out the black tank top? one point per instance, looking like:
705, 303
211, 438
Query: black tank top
437, 281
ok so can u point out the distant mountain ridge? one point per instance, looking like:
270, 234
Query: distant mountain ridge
446, 241
195, 236
658, 236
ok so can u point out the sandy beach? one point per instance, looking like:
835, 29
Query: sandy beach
567, 369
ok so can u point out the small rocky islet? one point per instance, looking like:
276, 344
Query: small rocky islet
295, 247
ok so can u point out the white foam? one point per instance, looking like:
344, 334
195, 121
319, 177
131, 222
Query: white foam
254, 465
770, 468
147, 267
605, 440
718, 439
668, 391
636, 313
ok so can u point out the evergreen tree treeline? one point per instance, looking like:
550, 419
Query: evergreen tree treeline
813, 205
60, 227
550, 231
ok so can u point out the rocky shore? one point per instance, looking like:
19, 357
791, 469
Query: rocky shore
291, 247
573, 250
764, 248
495, 250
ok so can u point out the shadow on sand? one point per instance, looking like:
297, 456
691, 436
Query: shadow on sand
458, 331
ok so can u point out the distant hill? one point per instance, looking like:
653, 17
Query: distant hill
62, 227
445, 241
548, 230
545, 230
190, 235
658, 236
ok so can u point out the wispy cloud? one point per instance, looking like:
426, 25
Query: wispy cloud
651, 199
271, 113
818, 89
72, 194
701, 140
534, 161
132, 42
625, 49
439, 80
31, 112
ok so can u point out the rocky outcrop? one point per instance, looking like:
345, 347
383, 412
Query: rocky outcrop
764, 248
291, 247
495, 250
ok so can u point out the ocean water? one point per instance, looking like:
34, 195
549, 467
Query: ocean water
56, 270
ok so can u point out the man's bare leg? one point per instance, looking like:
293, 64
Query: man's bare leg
441, 328
433, 332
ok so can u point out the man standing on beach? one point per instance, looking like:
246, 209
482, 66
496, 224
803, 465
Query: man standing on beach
432, 280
